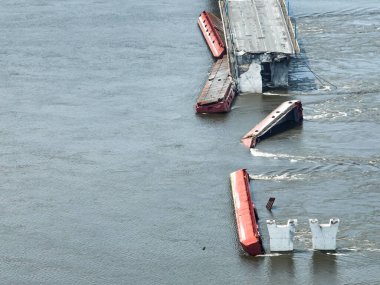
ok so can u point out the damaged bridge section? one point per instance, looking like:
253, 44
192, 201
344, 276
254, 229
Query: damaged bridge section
260, 42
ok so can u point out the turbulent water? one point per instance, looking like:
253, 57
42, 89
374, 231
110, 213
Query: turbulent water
108, 176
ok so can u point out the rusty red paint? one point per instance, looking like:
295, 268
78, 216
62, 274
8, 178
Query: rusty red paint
213, 39
218, 92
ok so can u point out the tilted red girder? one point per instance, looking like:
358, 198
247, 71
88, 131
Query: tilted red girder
248, 230
276, 117
212, 37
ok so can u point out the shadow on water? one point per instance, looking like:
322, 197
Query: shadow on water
281, 268
213, 7
323, 268
280, 129
301, 79
218, 118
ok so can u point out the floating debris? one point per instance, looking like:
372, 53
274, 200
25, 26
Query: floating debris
270, 203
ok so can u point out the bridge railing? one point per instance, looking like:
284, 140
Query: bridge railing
291, 23
229, 39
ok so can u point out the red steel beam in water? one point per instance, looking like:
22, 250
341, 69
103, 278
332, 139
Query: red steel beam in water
213, 39
248, 230
288, 112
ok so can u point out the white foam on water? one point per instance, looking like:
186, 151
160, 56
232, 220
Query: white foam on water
315, 117
257, 153
275, 94
336, 253
282, 177
341, 114
326, 115
292, 158
269, 254
350, 249
373, 249
361, 249
325, 88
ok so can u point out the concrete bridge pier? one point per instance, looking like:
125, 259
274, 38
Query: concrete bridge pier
281, 236
324, 235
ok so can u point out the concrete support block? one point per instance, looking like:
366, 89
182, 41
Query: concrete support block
251, 81
279, 73
281, 236
324, 235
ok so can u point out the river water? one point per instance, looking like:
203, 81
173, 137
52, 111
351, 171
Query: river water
108, 176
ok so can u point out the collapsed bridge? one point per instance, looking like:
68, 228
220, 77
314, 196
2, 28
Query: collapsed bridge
260, 41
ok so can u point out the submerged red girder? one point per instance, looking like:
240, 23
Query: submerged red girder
248, 229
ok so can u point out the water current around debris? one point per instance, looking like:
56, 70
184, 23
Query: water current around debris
108, 176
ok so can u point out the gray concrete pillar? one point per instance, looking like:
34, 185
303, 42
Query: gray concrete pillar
281, 236
324, 235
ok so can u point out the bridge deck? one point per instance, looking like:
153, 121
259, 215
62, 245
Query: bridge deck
217, 84
259, 26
